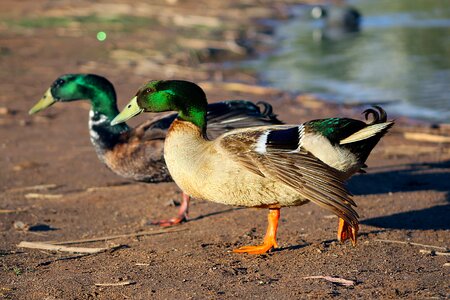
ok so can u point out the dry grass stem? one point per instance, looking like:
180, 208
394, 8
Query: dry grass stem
40, 187
239, 87
60, 248
432, 252
341, 281
122, 283
43, 196
412, 244
426, 137
11, 211
112, 237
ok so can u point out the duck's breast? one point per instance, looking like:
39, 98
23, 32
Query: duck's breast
201, 170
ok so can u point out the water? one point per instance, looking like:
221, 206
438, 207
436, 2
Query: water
401, 55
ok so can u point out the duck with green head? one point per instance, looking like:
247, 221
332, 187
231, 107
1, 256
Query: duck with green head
137, 153
270, 166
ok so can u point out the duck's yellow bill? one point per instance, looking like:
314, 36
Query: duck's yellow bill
45, 102
132, 109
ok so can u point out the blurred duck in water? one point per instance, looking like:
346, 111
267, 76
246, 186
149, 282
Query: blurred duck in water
339, 21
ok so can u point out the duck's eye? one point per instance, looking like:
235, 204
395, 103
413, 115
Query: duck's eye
59, 82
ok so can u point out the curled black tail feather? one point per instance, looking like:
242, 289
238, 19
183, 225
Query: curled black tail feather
379, 115
267, 109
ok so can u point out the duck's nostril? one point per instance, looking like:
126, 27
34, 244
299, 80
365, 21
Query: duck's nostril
129, 105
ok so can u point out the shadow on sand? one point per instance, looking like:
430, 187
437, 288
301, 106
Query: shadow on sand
417, 177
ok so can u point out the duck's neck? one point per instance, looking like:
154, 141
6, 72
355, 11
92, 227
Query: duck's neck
184, 148
183, 136
104, 136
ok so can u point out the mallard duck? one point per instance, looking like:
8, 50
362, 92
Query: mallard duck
270, 167
137, 153
338, 16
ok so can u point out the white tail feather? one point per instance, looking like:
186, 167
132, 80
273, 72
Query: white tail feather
365, 133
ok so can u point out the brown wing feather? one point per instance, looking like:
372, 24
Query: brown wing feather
236, 145
302, 171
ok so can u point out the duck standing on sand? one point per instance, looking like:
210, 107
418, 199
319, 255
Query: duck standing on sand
137, 153
268, 167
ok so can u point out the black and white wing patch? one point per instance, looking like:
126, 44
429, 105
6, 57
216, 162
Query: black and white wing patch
280, 140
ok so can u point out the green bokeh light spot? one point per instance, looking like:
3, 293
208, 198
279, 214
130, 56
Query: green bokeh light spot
101, 36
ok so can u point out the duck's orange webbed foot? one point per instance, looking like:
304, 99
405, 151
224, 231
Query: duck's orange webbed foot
181, 217
347, 231
270, 238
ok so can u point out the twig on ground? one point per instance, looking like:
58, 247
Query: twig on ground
44, 187
43, 196
411, 243
110, 186
45, 246
329, 216
112, 237
240, 87
426, 137
432, 252
204, 44
341, 281
121, 283
11, 211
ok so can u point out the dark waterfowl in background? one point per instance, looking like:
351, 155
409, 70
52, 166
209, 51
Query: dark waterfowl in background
342, 16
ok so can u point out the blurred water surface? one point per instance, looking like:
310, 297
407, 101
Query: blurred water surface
400, 55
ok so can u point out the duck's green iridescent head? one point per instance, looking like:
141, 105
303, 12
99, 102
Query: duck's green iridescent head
185, 97
71, 87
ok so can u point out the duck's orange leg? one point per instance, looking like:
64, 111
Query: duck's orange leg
182, 215
270, 238
347, 231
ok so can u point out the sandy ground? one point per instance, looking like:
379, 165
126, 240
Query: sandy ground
403, 197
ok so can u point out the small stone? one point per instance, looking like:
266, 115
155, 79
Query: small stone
24, 122
4, 111
19, 225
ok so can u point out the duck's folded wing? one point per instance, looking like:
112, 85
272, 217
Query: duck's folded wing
228, 115
276, 152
